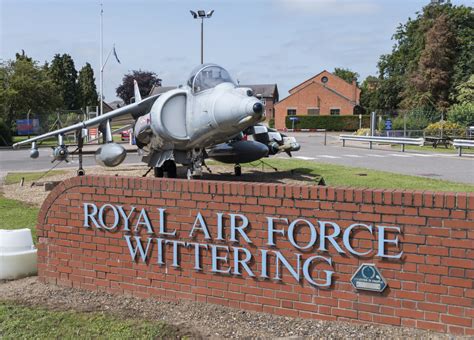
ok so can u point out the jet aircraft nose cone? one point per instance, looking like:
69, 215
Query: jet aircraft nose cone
258, 108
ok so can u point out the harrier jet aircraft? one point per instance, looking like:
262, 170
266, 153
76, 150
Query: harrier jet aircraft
209, 117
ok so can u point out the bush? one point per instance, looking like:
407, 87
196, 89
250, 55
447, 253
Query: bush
446, 129
271, 123
363, 132
416, 119
331, 123
5, 134
462, 114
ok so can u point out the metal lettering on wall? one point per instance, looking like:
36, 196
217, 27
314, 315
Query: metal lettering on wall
237, 259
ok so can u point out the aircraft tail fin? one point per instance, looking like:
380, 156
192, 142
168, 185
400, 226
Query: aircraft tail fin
136, 90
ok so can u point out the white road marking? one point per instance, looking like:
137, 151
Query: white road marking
400, 155
353, 156
423, 155
327, 156
305, 158
378, 156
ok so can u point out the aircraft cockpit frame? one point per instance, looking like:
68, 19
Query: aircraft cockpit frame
207, 76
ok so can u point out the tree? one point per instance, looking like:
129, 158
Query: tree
369, 94
86, 87
396, 68
463, 112
465, 91
25, 86
64, 75
346, 74
145, 80
429, 85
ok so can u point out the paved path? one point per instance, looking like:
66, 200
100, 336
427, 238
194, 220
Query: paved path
447, 166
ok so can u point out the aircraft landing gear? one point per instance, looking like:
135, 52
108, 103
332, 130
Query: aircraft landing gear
238, 170
197, 161
80, 145
168, 169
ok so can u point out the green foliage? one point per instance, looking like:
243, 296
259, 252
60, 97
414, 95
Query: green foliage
416, 119
86, 87
18, 322
444, 128
145, 80
346, 74
466, 91
369, 94
363, 132
271, 123
429, 85
64, 75
462, 114
5, 134
409, 71
25, 86
42, 90
331, 123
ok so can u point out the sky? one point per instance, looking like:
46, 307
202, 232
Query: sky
257, 41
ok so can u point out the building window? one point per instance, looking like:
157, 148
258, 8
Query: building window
291, 112
313, 111
324, 80
335, 112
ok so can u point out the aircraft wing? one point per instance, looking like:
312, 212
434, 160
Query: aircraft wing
134, 109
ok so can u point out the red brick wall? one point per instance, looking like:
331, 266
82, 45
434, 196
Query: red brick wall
308, 97
307, 93
430, 287
334, 82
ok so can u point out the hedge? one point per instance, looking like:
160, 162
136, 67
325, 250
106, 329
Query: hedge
331, 123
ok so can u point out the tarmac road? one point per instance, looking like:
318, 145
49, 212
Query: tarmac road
447, 166
19, 160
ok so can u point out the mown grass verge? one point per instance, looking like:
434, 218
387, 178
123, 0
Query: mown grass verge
15, 177
431, 149
337, 175
19, 322
17, 215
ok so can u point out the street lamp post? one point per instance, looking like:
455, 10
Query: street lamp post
201, 14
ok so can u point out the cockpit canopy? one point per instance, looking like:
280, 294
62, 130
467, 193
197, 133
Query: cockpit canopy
207, 76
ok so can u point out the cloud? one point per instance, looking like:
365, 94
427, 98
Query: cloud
331, 7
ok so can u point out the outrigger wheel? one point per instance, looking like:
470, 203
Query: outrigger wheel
237, 170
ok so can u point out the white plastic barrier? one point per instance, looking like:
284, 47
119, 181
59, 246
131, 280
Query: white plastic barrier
18, 255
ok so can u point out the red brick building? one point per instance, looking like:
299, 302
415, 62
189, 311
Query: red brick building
324, 94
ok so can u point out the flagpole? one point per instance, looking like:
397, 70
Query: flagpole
101, 61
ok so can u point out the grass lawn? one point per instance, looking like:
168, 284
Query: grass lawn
18, 322
15, 177
46, 142
54, 142
439, 149
17, 215
337, 175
